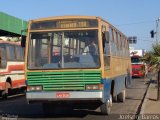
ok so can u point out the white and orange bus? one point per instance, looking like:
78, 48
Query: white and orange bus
72, 59
11, 67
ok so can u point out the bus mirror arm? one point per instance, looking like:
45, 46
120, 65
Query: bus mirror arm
23, 38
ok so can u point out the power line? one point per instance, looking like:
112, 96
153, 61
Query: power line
134, 23
145, 40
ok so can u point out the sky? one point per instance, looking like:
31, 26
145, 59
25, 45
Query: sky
132, 17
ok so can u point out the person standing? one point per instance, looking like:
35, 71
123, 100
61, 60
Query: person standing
91, 49
145, 73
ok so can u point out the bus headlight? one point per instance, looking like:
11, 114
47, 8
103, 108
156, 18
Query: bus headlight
34, 88
94, 87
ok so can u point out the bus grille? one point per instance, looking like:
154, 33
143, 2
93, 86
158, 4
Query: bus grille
62, 81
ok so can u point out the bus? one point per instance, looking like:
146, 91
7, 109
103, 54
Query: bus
76, 60
11, 67
139, 67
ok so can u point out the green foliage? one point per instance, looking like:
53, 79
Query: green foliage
153, 57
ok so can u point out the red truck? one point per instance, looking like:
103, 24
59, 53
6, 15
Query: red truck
137, 66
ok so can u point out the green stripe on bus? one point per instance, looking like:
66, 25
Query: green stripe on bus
73, 80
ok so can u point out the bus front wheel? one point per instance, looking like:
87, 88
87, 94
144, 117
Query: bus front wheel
5, 92
105, 108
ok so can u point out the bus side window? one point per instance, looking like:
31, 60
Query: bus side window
0, 58
106, 49
3, 61
10, 50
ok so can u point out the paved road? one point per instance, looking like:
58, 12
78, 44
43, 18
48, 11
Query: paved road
17, 107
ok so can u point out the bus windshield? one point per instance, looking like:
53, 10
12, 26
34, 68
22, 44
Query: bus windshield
63, 49
135, 60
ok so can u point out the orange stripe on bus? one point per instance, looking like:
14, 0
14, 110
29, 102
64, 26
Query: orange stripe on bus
13, 68
4, 73
17, 83
2, 85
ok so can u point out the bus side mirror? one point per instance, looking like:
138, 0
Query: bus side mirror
23, 41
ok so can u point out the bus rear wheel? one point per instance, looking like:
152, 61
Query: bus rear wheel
114, 98
122, 96
105, 108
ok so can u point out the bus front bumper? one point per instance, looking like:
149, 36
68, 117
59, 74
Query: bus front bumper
64, 96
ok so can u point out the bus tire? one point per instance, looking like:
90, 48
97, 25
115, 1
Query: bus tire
114, 98
4, 95
126, 83
105, 108
122, 96
5, 92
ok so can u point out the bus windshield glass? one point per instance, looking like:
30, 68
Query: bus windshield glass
63, 49
135, 59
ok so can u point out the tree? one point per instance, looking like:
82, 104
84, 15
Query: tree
153, 58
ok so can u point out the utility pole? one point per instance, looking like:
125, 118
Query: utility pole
157, 31
157, 42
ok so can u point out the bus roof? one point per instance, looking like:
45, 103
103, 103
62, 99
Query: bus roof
65, 17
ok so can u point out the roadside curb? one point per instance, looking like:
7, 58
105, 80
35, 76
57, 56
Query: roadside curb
145, 100
150, 98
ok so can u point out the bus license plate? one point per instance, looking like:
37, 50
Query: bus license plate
135, 74
62, 95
